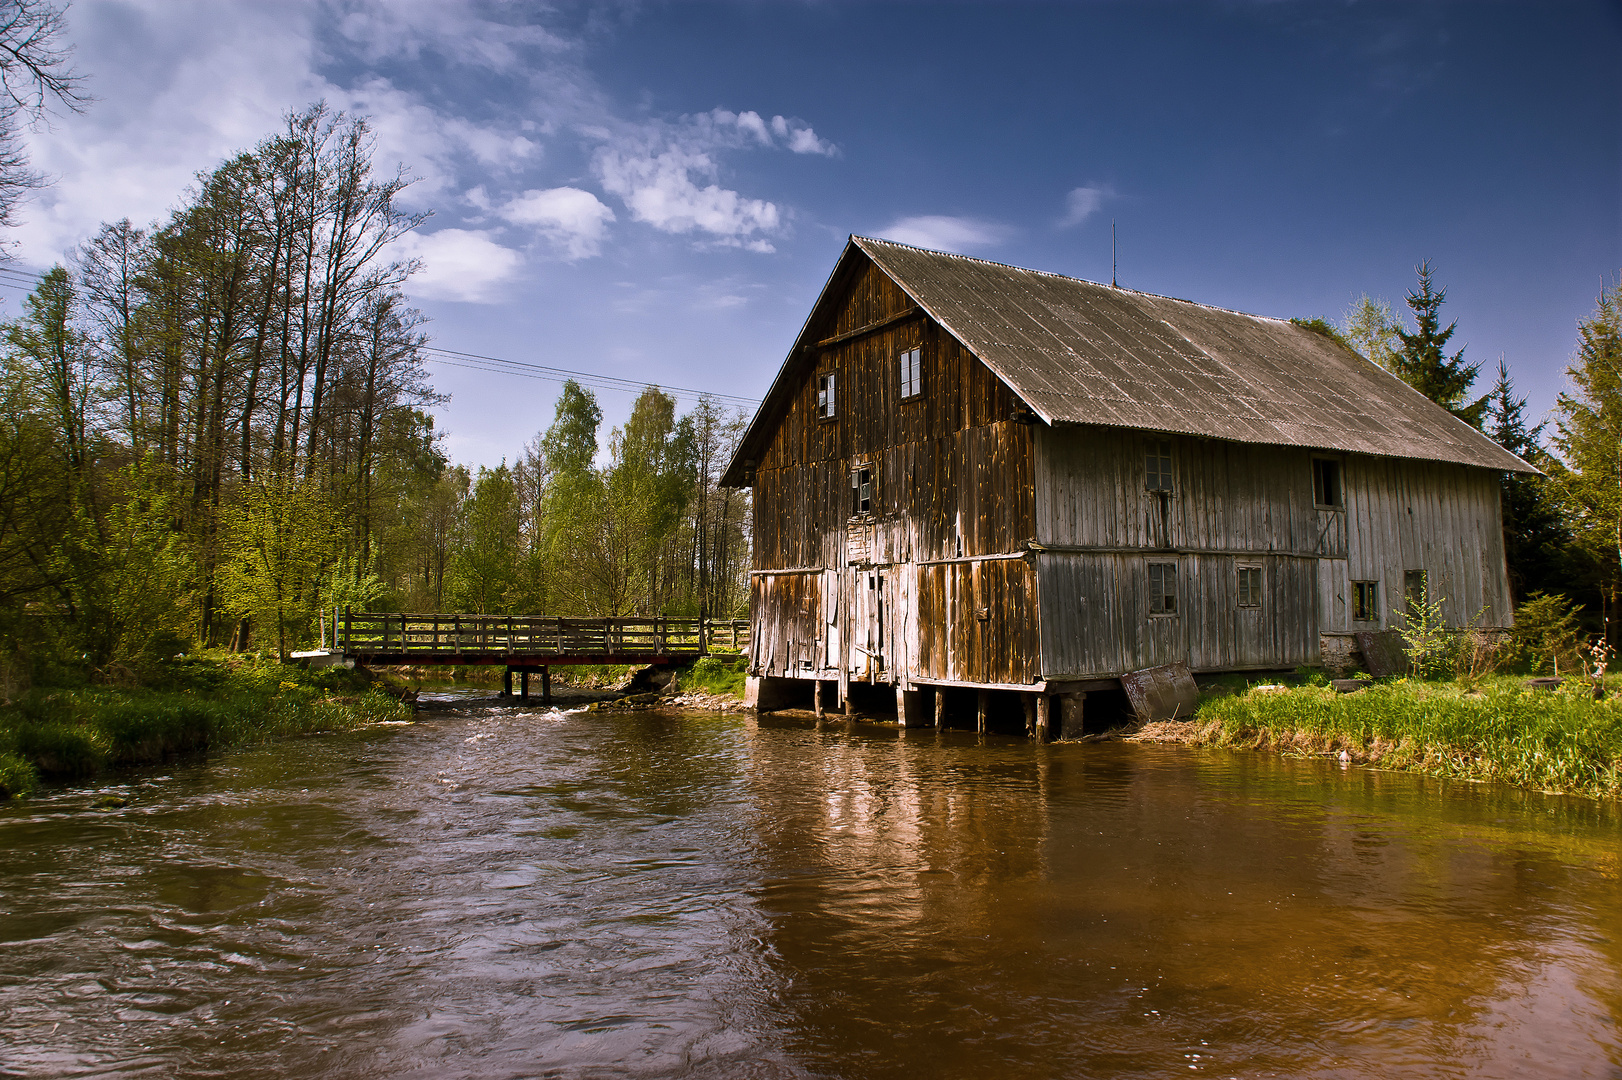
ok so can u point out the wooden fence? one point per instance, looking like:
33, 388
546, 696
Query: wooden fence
527, 639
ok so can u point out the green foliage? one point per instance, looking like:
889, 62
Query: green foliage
717, 675
1588, 435
1322, 326
485, 565
1426, 639
1371, 327
1422, 361
280, 534
1547, 636
1536, 536
195, 705
1562, 741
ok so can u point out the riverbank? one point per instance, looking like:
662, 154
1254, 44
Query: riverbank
1560, 741
210, 703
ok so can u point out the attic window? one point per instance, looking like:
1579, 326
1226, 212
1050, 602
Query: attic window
1157, 470
1327, 492
912, 373
861, 489
825, 396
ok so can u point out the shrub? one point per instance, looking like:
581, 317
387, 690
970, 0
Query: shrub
1546, 638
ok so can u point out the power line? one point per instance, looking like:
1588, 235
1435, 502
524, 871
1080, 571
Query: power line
24, 281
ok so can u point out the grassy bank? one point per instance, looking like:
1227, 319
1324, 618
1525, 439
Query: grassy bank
206, 704
1499, 730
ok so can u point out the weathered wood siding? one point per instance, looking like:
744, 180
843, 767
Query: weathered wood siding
1233, 505
976, 622
953, 479
1095, 617
1422, 515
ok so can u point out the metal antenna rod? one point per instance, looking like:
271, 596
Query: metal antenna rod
1112, 254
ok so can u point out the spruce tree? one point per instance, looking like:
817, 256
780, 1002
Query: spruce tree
1421, 359
1535, 534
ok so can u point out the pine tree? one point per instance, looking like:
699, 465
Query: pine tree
1588, 436
1535, 534
1421, 360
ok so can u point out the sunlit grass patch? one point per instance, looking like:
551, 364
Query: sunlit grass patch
1562, 740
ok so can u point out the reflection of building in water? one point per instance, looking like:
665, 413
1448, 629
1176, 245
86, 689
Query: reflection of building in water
1110, 909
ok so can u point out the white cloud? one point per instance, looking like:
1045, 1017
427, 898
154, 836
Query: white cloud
575, 221
943, 233
459, 264
660, 190
1082, 203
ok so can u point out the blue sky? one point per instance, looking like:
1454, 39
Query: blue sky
657, 191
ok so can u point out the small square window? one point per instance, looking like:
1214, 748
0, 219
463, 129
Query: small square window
1162, 588
1250, 586
1366, 601
1157, 466
1326, 486
825, 396
912, 373
1414, 590
861, 489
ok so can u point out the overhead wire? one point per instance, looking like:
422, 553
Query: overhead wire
24, 281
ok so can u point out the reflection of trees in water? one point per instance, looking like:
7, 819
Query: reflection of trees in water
1111, 910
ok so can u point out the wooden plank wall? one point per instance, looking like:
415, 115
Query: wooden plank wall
1425, 515
786, 617
949, 463
953, 479
954, 642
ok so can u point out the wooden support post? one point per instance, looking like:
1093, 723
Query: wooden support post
940, 708
507, 683
546, 686
1074, 712
816, 697
981, 698
1044, 715
1029, 701
523, 685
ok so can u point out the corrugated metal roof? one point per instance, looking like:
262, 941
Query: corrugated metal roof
1082, 353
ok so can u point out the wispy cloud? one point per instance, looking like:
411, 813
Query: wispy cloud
944, 233
1082, 203
573, 220
459, 264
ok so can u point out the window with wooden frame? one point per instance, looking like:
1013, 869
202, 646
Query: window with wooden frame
825, 396
1157, 466
1366, 601
861, 489
1162, 588
912, 373
1327, 490
1250, 586
1414, 589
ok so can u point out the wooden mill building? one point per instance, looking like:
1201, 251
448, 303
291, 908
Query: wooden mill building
973, 477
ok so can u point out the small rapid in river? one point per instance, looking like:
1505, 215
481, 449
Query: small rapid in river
506, 891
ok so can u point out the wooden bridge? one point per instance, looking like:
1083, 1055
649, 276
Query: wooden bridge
527, 644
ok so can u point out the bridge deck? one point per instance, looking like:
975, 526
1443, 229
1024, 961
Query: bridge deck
530, 641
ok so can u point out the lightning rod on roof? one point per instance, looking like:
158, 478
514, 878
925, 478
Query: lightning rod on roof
1112, 253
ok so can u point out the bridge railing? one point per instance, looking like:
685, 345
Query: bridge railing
361, 634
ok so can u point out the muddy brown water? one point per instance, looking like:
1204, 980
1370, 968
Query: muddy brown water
522, 892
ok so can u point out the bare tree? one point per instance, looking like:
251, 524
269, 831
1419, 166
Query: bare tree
34, 72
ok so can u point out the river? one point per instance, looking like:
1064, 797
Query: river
522, 892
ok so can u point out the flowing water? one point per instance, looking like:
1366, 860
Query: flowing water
517, 892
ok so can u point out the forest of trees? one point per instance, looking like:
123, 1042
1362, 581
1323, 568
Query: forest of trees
217, 426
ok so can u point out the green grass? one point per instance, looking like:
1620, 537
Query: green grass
717, 675
1552, 741
209, 704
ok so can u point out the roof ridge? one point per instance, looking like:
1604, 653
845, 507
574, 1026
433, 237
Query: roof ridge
1067, 277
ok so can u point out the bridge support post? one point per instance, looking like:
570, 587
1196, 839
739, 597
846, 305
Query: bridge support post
507, 683
546, 686
523, 685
